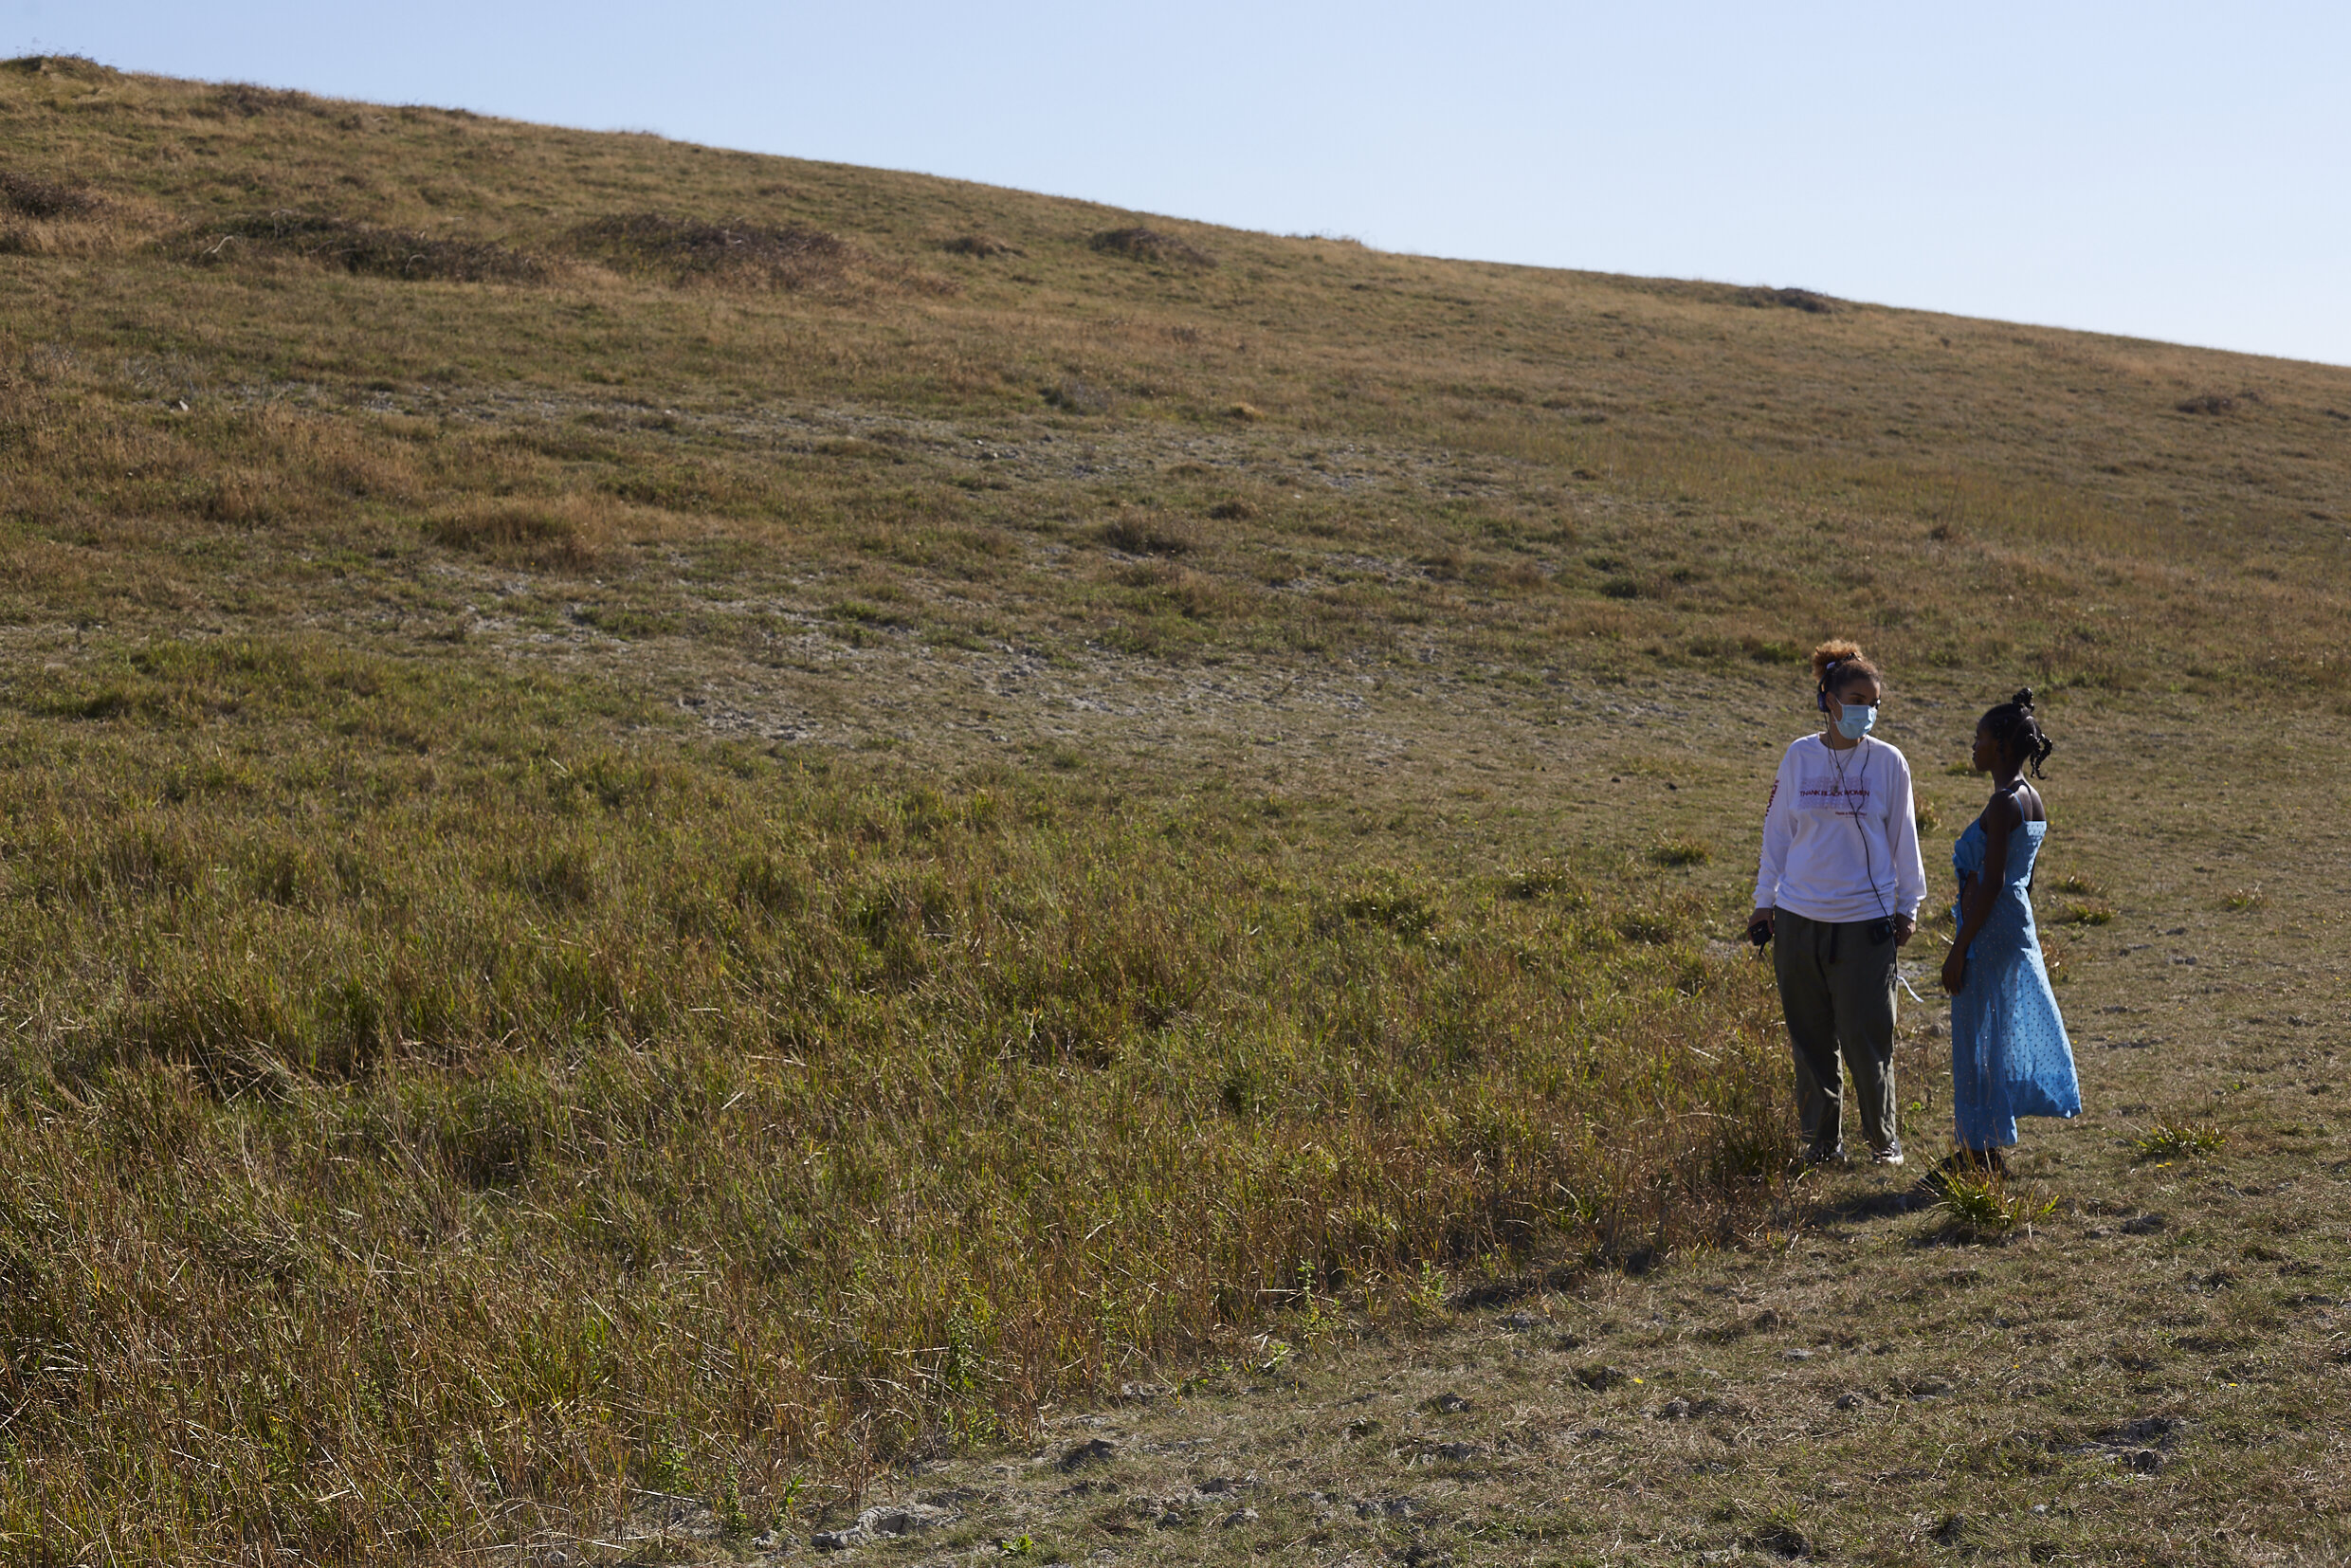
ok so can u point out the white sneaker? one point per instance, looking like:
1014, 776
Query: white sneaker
1887, 1156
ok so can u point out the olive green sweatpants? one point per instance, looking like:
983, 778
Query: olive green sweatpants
1836, 988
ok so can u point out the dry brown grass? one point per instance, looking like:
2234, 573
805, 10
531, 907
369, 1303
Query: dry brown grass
476, 1084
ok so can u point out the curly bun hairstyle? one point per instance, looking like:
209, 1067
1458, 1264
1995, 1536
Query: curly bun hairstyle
1837, 664
2017, 734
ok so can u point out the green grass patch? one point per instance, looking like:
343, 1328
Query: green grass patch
1979, 1205
1679, 850
2179, 1140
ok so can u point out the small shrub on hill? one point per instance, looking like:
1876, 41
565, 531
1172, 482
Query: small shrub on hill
1072, 395
548, 535
729, 251
248, 101
1139, 244
1792, 299
365, 248
79, 67
1150, 535
980, 246
31, 197
47, 217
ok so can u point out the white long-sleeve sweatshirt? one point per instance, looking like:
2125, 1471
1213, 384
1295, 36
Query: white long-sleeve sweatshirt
1841, 835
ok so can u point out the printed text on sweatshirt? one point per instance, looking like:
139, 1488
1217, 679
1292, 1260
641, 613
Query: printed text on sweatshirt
1840, 835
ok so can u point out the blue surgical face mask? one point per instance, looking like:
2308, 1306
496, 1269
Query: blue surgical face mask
1855, 720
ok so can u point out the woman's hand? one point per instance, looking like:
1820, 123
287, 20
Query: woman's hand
1905, 928
1955, 970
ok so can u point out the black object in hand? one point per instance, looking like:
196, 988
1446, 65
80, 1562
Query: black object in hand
1759, 933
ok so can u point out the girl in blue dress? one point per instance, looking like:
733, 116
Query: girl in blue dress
2009, 1053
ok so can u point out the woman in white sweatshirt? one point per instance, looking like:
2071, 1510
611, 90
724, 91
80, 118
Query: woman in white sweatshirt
1839, 892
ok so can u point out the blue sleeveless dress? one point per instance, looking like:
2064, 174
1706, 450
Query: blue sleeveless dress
2009, 1053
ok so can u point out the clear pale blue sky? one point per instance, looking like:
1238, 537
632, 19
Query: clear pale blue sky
2161, 170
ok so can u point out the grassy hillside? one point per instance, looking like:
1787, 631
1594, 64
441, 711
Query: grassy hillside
693, 827
1527, 469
